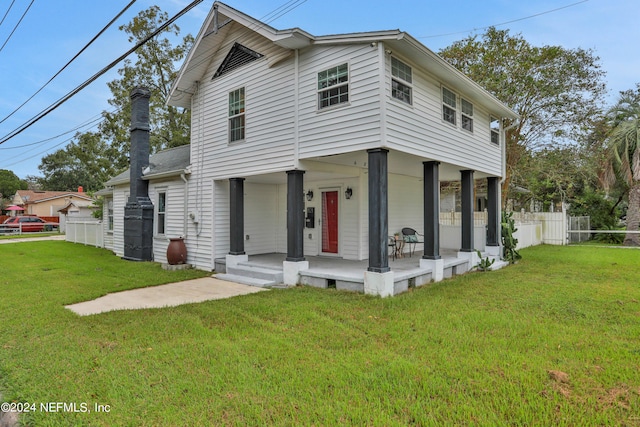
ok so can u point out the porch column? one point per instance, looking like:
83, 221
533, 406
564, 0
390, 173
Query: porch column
378, 211
493, 215
295, 215
431, 189
467, 211
236, 216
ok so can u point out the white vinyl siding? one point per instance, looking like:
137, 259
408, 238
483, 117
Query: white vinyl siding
269, 122
352, 127
422, 131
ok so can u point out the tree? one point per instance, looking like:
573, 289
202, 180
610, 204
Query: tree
9, 184
154, 68
84, 162
623, 160
556, 91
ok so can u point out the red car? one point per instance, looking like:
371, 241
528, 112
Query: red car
28, 223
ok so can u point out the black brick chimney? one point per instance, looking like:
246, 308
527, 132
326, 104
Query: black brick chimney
138, 212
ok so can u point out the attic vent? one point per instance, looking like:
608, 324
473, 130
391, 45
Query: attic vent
237, 57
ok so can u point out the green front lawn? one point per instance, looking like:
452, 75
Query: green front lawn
553, 340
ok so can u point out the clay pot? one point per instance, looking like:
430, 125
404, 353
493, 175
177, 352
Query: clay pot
176, 251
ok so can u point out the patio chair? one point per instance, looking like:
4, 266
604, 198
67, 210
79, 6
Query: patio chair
411, 237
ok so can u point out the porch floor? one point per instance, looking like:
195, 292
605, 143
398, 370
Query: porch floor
348, 268
349, 274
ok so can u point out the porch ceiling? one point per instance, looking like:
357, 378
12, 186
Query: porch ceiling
352, 165
398, 163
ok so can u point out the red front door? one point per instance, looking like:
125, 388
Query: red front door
330, 222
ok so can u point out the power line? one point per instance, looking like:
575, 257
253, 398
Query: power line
504, 23
62, 100
93, 121
16, 27
7, 12
72, 59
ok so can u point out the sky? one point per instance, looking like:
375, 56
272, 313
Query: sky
34, 49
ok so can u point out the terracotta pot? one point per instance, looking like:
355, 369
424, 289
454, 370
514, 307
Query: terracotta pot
176, 251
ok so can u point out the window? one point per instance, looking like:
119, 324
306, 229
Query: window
162, 214
333, 86
236, 115
401, 84
110, 215
494, 125
448, 106
467, 115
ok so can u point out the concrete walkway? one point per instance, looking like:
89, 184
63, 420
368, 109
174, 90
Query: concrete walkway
31, 239
170, 295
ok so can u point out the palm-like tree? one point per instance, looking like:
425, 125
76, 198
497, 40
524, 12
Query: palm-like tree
623, 159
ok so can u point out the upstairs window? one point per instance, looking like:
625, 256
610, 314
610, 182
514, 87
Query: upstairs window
162, 214
333, 86
494, 125
449, 106
401, 82
467, 115
236, 115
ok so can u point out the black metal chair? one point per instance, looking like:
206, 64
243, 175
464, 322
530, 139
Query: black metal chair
411, 237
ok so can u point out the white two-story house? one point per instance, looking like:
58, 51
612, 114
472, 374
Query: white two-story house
320, 146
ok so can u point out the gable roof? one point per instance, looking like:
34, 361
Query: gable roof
32, 197
166, 163
215, 28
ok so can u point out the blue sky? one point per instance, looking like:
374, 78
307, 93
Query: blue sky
53, 31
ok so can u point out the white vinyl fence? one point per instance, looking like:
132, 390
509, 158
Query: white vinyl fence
87, 232
533, 228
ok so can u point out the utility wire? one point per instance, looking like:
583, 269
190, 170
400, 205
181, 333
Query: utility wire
14, 28
72, 59
62, 100
504, 23
7, 12
91, 122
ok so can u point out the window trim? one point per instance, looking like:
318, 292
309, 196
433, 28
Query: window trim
109, 215
402, 81
466, 115
446, 105
162, 214
240, 115
346, 84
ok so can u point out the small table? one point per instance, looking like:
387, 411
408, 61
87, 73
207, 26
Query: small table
397, 246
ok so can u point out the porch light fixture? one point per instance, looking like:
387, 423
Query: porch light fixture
348, 193
309, 195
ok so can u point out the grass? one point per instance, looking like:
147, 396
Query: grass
552, 340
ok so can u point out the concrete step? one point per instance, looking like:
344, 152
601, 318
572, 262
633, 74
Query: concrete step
251, 281
256, 272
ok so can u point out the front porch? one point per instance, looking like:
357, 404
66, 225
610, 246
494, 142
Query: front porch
266, 270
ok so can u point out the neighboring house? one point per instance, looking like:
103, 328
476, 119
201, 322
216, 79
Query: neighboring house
320, 146
48, 203
77, 210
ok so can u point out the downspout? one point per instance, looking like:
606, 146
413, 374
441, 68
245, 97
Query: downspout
184, 210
